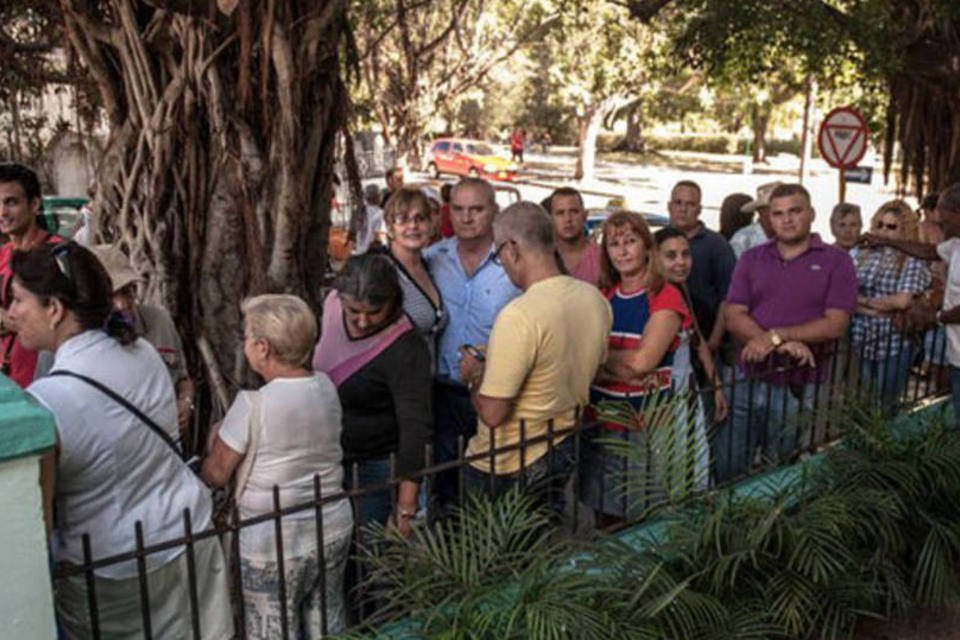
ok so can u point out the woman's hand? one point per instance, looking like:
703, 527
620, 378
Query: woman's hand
721, 409
402, 520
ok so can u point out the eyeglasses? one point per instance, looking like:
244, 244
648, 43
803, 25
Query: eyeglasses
496, 254
889, 226
61, 255
417, 218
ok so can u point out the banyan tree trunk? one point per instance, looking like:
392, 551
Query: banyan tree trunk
218, 173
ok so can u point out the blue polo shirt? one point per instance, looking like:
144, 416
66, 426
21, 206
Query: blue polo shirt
472, 302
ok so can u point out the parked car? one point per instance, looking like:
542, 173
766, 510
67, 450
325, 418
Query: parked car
462, 157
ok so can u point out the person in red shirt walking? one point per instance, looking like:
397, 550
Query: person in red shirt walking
517, 141
19, 205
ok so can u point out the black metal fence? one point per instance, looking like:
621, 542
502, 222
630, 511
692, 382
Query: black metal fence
807, 411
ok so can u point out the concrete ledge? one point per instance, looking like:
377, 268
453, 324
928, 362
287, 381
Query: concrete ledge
26, 428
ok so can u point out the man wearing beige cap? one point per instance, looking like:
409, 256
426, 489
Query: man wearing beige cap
760, 231
154, 324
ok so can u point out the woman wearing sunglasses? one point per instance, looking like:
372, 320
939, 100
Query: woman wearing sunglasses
113, 469
888, 281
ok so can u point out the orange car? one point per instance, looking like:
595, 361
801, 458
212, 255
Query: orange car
463, 157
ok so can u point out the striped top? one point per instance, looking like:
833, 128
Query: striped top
631, 312
428, 318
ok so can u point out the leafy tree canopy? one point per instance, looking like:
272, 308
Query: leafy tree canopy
910, 49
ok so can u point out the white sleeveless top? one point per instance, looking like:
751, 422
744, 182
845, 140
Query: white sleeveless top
113, 470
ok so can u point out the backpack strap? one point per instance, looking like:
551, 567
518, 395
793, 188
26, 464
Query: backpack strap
123, 402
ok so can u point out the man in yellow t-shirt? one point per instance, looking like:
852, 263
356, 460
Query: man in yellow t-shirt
544, 350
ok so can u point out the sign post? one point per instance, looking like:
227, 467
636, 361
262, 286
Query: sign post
843, 140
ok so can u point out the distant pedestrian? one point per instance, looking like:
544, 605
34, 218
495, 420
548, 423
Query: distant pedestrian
517, 143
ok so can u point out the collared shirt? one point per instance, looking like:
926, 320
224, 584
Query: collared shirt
884, 271
786, 293
949, 250
709, 279
472, 302
113, 470
748, 237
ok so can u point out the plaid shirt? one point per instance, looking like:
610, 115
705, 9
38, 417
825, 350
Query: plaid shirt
879, 274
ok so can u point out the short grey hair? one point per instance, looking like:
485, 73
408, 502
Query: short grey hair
477, 183
528, 223
949, 199
843, 210
285, 322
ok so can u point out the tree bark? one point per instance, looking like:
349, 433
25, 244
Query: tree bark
216, 198
17, 126
760, 119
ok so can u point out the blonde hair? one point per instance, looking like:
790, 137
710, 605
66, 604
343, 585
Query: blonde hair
285, 322
402, 201
909, 227
909, 220
632, 222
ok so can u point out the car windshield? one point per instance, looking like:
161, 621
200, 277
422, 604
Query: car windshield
480, 150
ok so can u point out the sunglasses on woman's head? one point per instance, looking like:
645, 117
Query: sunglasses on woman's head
60, 253
889, 226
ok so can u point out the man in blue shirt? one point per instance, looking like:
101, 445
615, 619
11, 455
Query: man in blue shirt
713, 259
474, 289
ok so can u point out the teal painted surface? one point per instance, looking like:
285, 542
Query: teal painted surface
25, 427
655, 532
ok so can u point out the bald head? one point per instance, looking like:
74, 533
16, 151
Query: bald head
528, 224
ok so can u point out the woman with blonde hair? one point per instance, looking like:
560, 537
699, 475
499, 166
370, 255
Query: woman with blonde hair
888, 281
286, 435
410, 231
648, 315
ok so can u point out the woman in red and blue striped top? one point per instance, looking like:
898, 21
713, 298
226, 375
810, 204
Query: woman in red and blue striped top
648, 315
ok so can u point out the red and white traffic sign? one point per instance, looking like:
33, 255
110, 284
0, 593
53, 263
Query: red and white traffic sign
843, 138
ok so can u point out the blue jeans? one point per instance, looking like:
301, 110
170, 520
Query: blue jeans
455, 421
544, 479
886, 378
763, 413
374, 506
955, 392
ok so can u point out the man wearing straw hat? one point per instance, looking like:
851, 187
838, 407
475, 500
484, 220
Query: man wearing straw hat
154, 324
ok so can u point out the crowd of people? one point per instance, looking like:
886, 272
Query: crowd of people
456, 332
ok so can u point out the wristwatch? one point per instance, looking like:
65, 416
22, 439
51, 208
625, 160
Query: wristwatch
776, 339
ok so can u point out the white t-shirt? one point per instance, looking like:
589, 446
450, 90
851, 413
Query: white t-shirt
748, 237
949, 250
113, 470
299, 437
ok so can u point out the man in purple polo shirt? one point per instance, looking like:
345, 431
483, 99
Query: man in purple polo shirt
789, 299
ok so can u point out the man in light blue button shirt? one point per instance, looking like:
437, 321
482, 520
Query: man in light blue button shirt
474, 289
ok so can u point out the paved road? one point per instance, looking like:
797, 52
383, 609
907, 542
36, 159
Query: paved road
646, 187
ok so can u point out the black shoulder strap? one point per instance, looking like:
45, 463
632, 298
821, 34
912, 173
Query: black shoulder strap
126, 405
